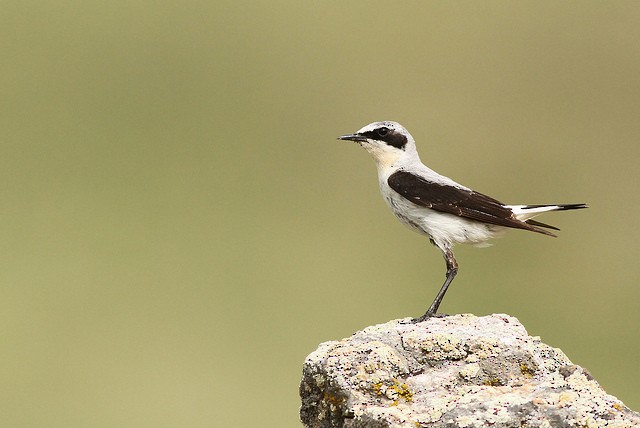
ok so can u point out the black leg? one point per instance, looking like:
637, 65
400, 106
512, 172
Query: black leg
452, 270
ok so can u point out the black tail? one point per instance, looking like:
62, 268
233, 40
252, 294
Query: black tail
572, 207
538, 224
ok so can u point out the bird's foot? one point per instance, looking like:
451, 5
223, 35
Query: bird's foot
426, 317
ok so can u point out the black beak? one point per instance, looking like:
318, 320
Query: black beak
353, 137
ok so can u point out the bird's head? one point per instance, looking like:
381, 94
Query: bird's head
388, 142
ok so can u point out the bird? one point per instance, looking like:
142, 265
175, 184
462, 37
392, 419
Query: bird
431, 204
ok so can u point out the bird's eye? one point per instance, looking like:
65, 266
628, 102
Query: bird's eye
383, 131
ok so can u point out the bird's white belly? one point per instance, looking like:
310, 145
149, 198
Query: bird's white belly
442, 228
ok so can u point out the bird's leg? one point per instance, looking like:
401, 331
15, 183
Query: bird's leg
452, 270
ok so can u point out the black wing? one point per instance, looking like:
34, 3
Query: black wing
456, 201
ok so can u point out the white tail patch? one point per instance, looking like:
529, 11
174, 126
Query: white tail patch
525, 212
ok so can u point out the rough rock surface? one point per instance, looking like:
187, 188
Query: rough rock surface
456, 371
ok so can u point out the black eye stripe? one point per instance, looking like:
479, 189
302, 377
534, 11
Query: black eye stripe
391, 137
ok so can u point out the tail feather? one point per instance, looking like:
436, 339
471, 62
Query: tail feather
572, 207
540, 224
525, 213
544, 208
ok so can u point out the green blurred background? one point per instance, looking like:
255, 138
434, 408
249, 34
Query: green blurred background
180, 228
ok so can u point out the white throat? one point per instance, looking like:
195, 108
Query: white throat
385, 159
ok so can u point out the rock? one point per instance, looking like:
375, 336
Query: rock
456, 371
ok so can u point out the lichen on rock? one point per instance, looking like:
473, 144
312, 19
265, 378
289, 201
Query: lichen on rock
456, 371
